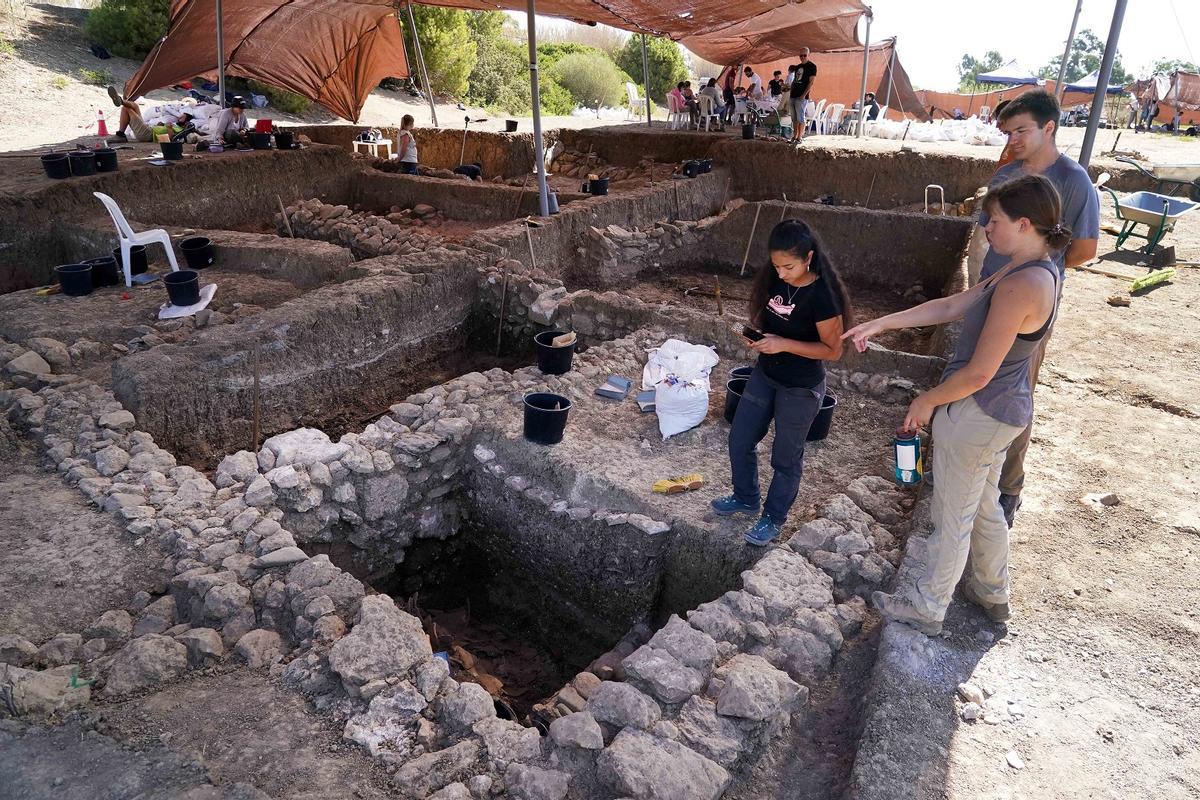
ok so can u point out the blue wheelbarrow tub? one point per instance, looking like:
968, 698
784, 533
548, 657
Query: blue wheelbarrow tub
1147, 208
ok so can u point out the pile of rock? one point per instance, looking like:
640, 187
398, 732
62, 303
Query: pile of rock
579, 165
400, 232
885, 388
623, 252
393, 166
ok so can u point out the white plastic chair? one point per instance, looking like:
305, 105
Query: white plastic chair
812, 113
677, 115
635, 102
832, 121
707, 114
870, 125
128, 238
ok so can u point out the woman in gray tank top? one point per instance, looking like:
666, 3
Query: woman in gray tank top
983, 402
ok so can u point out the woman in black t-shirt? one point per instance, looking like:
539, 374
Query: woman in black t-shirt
800, 305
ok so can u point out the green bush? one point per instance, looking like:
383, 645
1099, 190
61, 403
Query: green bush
592, 79
448, 47
550, 54
128, 28
6, 47
96, 77
59, 82
555, 99
664, 59
500, 79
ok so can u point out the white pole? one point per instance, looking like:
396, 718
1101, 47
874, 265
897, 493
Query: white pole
539, 158
891, 69
862, 92
412, 23
646, 78
1106, 64
1062, 68
221, 53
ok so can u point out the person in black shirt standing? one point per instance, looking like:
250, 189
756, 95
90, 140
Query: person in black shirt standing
801, 307
804, 77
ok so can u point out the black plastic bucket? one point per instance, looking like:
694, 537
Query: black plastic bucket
172, 151
137, 259
260, 141
284, 140
598, 187
748, 130
824, 419
83, 162
56, 165
198, 251
733, 393
104, 271
691, 169
545, 417
510, 125
106, 160
553, 360
741, 372
183, 287
75, 279
706, 165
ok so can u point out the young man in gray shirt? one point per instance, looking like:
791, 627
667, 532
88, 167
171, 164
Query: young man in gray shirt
1030, 121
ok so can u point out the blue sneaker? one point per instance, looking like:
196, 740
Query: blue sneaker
763, 533
729, 505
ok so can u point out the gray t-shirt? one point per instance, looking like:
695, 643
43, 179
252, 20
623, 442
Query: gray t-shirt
1080, 204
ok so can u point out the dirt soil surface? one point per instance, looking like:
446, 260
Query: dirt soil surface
67, 561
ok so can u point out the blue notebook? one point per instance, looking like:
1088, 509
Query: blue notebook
615, 388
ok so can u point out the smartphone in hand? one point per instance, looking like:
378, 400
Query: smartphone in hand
752, 334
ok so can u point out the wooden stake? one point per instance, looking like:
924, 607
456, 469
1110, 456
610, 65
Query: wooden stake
503, 302
870, 192
725, 197
287, 223
783, 213
1105, 272
257, 414
521, 195
529, 238
750, 240
717, 294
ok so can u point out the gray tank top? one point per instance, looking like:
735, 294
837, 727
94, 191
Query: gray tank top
1008, 397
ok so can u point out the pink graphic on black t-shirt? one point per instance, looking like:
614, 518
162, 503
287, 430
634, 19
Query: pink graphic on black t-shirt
780, 308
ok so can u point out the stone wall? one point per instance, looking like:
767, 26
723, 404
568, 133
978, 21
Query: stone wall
457, 199
342, 349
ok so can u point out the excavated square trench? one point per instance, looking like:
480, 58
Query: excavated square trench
527, 565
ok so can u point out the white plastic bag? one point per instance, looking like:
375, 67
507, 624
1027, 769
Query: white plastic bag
678, 372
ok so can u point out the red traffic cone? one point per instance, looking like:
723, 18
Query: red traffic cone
103, 128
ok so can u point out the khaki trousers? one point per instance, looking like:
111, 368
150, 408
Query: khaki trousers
967, 456
1012, 474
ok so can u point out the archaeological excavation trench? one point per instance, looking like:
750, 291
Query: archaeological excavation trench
331, 456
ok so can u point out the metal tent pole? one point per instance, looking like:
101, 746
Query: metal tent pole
1110, 54
862, 92
539, 159
1062, 68
221, 53
412, 24
646, 78
891, 69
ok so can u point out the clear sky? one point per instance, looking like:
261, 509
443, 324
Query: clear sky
934, 34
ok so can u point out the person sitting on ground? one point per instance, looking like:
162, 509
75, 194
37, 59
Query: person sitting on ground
958, 113
800, 305
711, 91
754, 91
131, 118
872, 106
983, 403
232, 123
776, 84
474, 170
407, 146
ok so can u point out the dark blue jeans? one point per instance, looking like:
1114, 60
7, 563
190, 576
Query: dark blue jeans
408, 168
793, 410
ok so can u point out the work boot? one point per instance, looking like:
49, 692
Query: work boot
115, 96
996, 612
763, 533
1009, 503
895, 607
729, 505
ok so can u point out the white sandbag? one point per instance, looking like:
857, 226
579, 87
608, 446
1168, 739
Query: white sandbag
680, 407
687, 362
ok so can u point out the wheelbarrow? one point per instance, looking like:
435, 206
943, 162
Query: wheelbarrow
1157, 212
1170, 176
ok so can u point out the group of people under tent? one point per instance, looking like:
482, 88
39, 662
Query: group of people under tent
228, 125
1040, 215
784, 95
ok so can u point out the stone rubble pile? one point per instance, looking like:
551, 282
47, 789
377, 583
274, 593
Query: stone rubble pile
624, 252
579, 165
400, 232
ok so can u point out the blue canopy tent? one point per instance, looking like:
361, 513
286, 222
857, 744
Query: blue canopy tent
1010, 74
1088, 84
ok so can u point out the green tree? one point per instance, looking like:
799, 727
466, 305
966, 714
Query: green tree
500, 79
591, 78
550, 54
1087, 51
128, 28
1166, 66
665, 61
447, 45
970, 67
